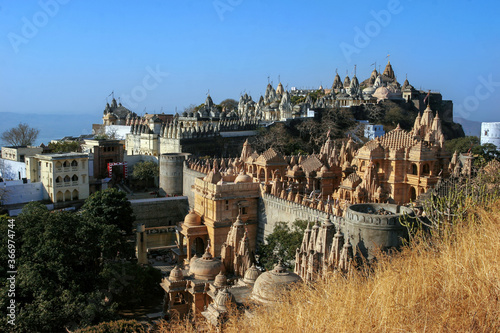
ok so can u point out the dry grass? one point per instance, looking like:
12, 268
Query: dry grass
451, 286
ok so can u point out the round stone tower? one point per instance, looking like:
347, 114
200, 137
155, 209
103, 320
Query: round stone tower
371, 226
171, 172
490, 133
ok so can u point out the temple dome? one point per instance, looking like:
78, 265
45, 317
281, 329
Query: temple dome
369, 91
269, 284
222, 298
220, 280
243, 178
206, 267
176, 274
251, 275
381, 93
192, 219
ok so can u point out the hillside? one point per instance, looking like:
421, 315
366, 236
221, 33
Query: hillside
451, 285
471, 128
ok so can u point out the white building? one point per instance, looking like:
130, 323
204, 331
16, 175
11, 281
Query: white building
373, 131
18, 191
12, 170
490, 133
65, 177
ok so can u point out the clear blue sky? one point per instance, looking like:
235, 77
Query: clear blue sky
83, 50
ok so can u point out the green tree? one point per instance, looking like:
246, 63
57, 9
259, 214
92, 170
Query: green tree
110, 207
130, 284
278, 137
461, 145
282, 243
484, 153
397, 116
58, 266
147, 171
297, 99
64, 146
68, 276
229, 103
22, 135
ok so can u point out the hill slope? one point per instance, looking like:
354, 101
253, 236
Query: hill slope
452, 286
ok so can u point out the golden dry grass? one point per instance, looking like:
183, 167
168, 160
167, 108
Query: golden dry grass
451, 286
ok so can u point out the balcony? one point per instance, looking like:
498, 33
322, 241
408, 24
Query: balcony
74, 183
59, 170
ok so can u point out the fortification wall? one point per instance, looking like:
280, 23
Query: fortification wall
171, 173
188, 179
370, 231
272, 210
366, 230
157, 212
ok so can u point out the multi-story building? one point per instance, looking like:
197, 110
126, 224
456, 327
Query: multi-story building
101, 154
19, 153
65, 177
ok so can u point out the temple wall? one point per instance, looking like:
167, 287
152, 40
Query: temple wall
158, 212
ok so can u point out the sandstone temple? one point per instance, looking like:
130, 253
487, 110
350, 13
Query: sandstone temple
352, 195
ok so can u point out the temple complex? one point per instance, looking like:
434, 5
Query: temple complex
353, 193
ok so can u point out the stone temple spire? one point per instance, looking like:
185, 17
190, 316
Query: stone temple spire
388, 71
246, 151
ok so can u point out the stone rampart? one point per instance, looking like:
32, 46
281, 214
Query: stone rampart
273, 210
374, 226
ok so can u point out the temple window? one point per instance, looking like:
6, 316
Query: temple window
425, 169
414, 169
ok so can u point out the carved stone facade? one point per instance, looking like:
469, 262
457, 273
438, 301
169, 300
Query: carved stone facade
364, 230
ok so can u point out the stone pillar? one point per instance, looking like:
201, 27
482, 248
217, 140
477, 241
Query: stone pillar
188, 241
141, 245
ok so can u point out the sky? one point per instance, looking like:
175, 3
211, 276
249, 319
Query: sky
68, 56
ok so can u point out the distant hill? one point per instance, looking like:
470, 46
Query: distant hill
51, 126
471, 128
